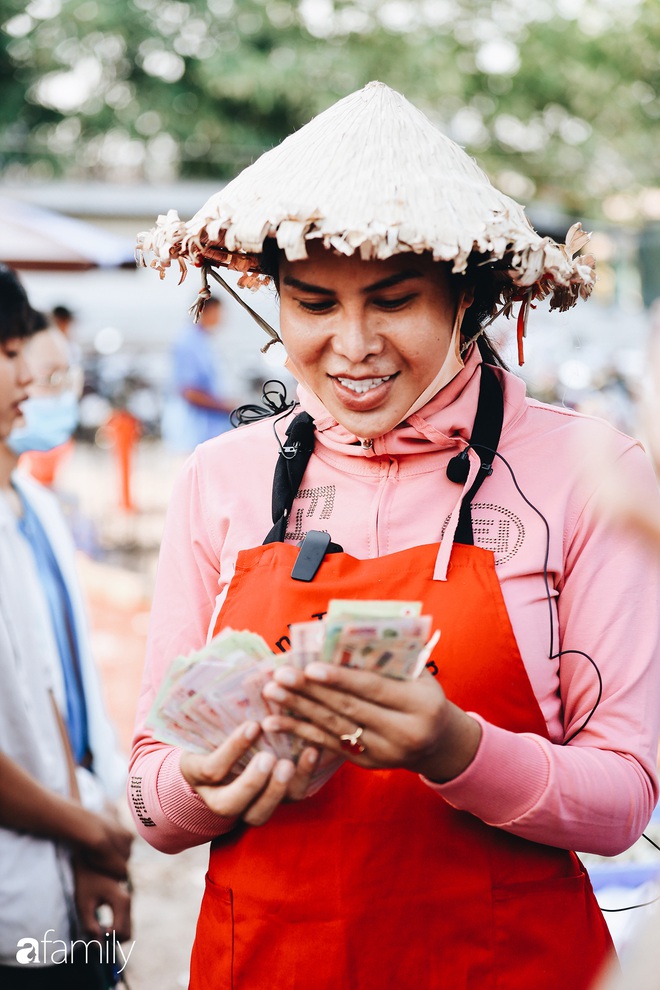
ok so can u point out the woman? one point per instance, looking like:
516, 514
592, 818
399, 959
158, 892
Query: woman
58, 861
438, 855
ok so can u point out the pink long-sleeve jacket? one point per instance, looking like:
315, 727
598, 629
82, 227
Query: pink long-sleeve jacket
595, 794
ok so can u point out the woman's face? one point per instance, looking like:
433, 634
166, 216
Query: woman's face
15, 377
366, 337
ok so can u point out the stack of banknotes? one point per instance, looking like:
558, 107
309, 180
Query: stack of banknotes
207, 694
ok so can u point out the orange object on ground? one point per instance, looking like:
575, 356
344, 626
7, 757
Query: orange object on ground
123, 430
376, 881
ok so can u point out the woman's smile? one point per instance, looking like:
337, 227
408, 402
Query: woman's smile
361, 385
361, 394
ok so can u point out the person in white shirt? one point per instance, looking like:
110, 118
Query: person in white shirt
59, 862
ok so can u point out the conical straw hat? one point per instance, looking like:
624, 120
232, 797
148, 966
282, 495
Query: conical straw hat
372, 175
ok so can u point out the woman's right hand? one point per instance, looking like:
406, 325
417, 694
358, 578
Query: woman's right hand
255, 793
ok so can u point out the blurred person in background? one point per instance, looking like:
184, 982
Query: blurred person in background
59, 860
49, 417
618, 499
44, 464
63, 318
198, 409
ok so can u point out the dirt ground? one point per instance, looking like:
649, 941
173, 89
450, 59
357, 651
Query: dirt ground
168, 891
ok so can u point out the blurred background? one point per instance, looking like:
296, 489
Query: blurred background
113, 113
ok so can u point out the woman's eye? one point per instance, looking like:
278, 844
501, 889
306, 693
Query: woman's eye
394, 303
11, 348
322, 306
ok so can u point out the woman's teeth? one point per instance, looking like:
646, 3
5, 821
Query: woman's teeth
363, 384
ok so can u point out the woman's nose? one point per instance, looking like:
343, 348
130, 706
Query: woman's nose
356, 338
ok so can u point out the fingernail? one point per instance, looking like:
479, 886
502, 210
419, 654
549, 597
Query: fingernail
274, 691
265, 762
286, 676
251, 730
317, 671
284, 771
311, 757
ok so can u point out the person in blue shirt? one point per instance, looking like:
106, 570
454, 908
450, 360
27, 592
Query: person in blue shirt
198, 409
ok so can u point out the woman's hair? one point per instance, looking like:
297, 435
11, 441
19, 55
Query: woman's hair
17, 317
485, 281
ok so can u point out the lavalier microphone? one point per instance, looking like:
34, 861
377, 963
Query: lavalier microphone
459, 467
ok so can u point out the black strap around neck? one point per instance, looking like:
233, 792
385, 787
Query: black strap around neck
485, 437
289, 472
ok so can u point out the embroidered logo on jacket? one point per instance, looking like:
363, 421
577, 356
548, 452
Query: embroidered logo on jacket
495, 528
321, 503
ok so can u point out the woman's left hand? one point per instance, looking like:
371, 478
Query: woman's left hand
407, 724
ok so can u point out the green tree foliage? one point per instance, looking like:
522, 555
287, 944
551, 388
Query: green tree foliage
559, 100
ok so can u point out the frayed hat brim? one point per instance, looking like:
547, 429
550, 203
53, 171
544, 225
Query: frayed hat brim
373, 176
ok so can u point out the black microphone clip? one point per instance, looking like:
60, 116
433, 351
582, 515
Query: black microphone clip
458, 468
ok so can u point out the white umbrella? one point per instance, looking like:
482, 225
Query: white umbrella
32, 238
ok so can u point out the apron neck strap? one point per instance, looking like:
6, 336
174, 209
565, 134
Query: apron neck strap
289, 471
484, 440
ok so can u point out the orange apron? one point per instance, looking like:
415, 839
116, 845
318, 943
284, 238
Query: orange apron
376, 882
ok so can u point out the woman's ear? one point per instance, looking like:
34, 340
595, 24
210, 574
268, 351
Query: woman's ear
467, 294
465, 300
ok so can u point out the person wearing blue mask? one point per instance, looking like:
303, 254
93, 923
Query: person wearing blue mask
49, 418
61, 856
50, 415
